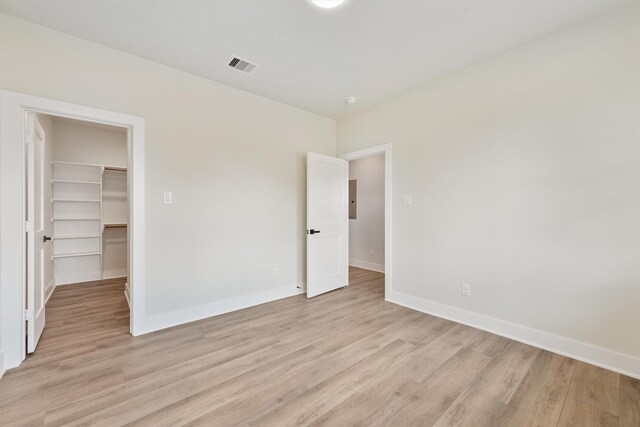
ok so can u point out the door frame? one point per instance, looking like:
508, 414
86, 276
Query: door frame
388, 205
13, 257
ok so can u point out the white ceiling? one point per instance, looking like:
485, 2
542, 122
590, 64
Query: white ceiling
309, 57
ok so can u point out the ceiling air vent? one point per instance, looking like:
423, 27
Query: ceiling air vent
242, 65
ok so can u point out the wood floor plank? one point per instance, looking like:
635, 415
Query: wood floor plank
472, 409
442, 388
151, 393
629, 402
321, 398
580, 414
344, 358
356, 410
234, 396
503, 375
596, 387
540, 396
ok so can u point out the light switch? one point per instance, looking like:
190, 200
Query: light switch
168, 198
407, 200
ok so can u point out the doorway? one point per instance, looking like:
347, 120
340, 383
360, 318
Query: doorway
15, 110
366, 213
370, 190
328, 220
366, 223
77, 205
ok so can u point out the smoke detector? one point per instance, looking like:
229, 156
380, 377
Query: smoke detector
241, 65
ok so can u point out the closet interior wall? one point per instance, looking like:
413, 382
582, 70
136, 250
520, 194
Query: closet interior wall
366, 230
89, 201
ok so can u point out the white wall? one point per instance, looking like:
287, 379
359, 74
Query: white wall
525, 176
235, 163
89, 143
366, 232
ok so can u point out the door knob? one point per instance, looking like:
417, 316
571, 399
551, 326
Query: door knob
312, 231
45, 239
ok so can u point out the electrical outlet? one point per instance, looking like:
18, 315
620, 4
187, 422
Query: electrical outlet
276, 272
466, 290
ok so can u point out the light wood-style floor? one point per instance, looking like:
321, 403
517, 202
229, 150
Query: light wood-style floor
344, 358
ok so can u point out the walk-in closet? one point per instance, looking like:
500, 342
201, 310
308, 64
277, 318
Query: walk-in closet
89, 200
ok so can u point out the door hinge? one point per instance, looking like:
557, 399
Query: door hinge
28, 226
28, 315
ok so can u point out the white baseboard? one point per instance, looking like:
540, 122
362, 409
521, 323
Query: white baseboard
70, 279
113, 274
49, 291
2, 368
366, 265
191, 314
608, 359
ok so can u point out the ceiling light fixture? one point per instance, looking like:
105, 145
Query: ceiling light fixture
327, 4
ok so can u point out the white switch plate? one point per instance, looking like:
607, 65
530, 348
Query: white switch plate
407, 200
168, 198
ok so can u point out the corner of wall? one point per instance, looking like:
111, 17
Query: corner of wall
366, 265
49, 290
179, 317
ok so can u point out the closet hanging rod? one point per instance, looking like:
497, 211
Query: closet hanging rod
115, 225
115, 168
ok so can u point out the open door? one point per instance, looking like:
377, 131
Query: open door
36, 238
327, 224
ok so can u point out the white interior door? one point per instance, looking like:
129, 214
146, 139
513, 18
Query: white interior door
36, 239
327, 224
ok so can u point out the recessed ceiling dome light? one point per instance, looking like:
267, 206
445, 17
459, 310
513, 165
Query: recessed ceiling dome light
327, 4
